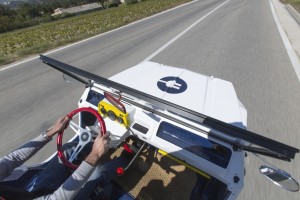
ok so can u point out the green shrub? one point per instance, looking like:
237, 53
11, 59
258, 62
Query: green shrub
128, 2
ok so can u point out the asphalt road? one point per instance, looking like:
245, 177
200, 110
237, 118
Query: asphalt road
238, 42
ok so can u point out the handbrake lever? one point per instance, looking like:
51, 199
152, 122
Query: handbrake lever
121, 170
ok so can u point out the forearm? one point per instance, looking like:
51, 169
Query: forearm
20, 155
92, 158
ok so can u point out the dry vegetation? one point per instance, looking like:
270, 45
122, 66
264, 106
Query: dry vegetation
294, 3
24, 42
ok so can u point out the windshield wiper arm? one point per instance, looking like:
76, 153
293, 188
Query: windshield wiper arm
262, 151
55, 66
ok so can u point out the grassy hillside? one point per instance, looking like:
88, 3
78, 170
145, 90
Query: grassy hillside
22, 43
294, 3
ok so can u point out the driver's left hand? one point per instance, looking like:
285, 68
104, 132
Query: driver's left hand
61, 124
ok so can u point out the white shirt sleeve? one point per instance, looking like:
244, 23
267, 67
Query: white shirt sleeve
19, 156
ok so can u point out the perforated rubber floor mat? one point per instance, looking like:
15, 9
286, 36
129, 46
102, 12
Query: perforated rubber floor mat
156, 177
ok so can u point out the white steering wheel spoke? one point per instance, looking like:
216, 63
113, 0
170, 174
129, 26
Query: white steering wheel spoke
76, 128
85, 136
78, 149
76, 152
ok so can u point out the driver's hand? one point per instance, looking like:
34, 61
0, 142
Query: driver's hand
61, 124
100, 147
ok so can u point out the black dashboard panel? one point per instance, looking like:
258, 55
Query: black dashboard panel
94, 97
140, 128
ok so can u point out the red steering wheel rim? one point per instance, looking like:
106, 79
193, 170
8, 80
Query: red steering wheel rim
60, 152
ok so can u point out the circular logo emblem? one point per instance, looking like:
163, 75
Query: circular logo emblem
84, 136
172, 85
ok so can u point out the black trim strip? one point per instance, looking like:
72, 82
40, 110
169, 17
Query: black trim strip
235, 143
228, 129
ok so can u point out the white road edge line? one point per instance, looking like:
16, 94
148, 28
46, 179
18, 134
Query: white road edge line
183, 32
290, 51
100, 35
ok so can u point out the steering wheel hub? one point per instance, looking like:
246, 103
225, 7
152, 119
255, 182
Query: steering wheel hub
85, 136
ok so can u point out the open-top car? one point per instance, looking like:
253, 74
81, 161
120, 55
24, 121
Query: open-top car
193, 119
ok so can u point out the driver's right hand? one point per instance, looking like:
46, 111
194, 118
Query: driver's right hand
100, 147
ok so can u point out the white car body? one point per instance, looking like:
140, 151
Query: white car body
194, 119
208, 95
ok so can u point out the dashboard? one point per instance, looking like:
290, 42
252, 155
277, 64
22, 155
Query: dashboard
191, 147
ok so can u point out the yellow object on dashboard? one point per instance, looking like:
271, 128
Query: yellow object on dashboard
107, 109
200, 172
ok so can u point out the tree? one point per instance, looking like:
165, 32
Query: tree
103, 3
29, 11
4, 23
6, 11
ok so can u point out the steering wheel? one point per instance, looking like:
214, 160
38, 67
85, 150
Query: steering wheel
85, 136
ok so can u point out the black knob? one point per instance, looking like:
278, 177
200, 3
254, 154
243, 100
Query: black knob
120, 120
103, 111
111, 115
236, 179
